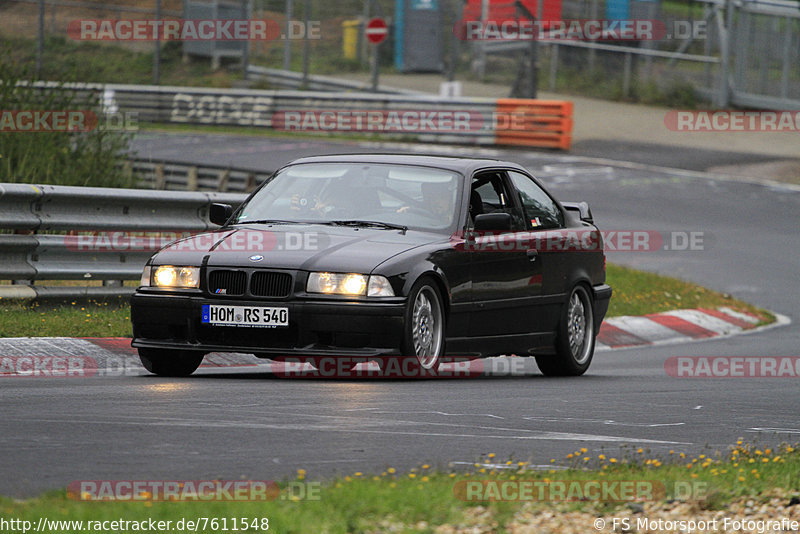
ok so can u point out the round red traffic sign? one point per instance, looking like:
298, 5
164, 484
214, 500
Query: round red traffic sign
376, 30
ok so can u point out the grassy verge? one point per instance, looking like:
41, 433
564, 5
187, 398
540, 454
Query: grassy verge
266, 132
92, 319
639, 293
635, 293
745, 478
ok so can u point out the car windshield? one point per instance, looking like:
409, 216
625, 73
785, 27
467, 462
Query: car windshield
416, 197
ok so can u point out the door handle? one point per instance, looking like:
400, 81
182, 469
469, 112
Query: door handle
532, 254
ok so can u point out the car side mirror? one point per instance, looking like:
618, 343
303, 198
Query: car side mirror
220, 213
493, 222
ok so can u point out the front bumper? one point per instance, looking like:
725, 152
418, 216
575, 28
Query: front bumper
316, 327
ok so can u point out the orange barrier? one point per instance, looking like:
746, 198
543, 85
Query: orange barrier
538, 123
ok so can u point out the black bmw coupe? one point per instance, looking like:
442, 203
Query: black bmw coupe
378, 257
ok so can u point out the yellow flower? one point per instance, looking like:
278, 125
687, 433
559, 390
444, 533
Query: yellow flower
301, 472
601, 456
426, 466
391, 470
358, 473
412, 475
491, 455
425, 479
612, 460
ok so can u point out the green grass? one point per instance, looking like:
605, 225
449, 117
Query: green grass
639, 293
635, 293
68, 60
265, 132
93, 319
424, 497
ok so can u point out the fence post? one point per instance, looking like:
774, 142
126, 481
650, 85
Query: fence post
222, 184
191, 179
723, 92
40, 41
553, 65
626, 75
160, 182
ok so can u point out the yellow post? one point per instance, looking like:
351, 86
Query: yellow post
350, 38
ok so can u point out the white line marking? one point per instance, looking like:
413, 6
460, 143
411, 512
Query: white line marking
739, 315
530, 434
709, 322
646, 329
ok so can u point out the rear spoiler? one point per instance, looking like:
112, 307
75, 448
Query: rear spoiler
581, 208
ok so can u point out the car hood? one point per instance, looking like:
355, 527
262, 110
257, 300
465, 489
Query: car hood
304, 247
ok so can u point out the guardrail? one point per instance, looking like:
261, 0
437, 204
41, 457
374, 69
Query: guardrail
90, 233
488, 124
174, 176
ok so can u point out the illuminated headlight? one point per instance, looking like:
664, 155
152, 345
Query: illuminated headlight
349, 284
171, 276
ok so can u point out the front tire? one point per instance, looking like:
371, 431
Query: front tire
170, 363
575, 339
424, 326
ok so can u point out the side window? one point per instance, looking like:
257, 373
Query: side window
490, 194
540, 210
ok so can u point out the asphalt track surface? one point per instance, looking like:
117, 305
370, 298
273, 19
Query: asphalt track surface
245, 422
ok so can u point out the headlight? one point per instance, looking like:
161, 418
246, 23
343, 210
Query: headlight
349, 284
171, 276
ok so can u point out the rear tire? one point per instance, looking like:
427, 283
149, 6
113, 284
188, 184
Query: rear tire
575, 339
170, 363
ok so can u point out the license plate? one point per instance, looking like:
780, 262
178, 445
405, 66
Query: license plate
252, 316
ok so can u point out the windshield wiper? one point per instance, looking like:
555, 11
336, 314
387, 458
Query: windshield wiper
270, 221
370, 224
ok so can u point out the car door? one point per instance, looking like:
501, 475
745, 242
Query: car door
506, 274
546, 222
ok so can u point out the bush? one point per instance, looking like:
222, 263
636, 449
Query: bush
91, 158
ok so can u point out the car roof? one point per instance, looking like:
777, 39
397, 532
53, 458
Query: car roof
462, 165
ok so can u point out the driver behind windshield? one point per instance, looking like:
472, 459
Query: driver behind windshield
437, 201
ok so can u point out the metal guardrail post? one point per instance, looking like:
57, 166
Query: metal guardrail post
191, 179
222, 182
160, 182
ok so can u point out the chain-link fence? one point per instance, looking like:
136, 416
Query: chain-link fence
741, 52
